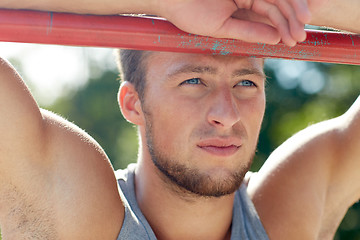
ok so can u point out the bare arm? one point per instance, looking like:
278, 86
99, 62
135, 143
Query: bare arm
19, 111
209, 17
338, 14
52, 174
83, 6
270, 21
344, 182
311, 180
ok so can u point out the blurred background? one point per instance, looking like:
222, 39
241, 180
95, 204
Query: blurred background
81, 85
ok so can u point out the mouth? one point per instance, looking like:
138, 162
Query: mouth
220, 147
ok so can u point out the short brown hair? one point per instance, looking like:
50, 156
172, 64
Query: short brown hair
132, 67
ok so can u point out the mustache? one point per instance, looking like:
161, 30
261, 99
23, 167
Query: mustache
211, 132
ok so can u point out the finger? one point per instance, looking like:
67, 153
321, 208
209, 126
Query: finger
276, 17
248, 31
296, 28
248, 15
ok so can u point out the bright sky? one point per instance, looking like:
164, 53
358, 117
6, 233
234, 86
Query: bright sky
49, 70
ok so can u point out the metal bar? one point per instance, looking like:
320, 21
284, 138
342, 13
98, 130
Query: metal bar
160, 35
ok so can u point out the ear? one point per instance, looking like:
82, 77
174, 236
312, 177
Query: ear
130, 104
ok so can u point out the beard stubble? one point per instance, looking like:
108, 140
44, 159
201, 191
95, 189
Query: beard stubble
187, 181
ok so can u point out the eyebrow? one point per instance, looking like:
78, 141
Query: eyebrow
193, 69
212, 70
248, 71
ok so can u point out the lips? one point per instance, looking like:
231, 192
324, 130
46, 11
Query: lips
220, 146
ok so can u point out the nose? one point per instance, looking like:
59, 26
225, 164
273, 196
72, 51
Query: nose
224, 110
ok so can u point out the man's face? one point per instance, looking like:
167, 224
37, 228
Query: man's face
203, 116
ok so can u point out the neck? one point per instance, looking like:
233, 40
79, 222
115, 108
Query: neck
174, 217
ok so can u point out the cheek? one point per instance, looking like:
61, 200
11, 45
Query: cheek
176, 110
255, 114
259, 109
170, 125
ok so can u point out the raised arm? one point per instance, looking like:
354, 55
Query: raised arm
344, 184
21, 121
338, 14
84, 6
55, 180
283, 19
311, 180
267, 21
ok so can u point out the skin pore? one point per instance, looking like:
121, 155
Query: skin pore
199, 125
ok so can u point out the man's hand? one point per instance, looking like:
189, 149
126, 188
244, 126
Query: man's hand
266, 21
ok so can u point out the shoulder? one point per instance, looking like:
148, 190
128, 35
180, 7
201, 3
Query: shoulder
87, 180
291, 188
72, 179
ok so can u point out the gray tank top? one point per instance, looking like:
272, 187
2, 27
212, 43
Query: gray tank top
246, 224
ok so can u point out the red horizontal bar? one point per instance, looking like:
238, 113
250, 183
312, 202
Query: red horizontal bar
160, 35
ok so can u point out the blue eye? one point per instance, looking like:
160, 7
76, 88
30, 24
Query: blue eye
192, 81
246, 83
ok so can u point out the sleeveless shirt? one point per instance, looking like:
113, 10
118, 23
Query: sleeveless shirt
246, 224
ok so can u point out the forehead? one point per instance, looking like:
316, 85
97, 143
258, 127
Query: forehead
171, 63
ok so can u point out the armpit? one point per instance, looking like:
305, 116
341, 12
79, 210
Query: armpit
24, 218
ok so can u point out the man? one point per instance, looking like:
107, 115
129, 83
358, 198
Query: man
198, 118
